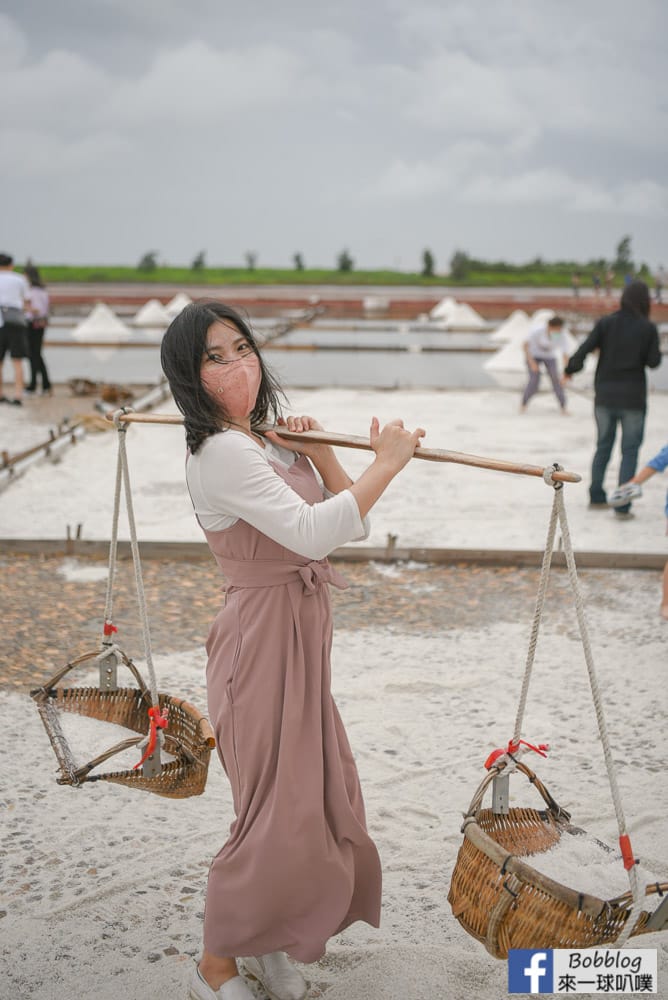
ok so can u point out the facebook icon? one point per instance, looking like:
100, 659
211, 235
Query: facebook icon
530, 971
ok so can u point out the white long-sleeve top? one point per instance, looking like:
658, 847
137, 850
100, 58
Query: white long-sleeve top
230, 478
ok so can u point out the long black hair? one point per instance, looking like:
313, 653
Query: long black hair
635, 297
33, 276
181, 352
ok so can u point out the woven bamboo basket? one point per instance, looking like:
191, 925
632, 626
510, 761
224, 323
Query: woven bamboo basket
505, 903
188, 737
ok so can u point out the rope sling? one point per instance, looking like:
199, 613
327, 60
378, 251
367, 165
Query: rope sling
500, 899
167, 725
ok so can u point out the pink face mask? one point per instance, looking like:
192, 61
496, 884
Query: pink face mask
237, 383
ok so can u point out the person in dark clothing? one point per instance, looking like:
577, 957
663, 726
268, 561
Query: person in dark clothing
38, 319
627, 343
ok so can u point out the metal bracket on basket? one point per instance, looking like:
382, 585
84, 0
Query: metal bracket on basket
501, 794
152, 766
659, 919
108, 662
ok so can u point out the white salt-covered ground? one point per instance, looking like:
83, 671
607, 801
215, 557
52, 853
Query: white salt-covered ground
428, 505
104, 887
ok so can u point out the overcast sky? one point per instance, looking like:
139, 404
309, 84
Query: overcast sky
384, 126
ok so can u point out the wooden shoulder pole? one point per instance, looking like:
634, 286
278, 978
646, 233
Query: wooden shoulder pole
362, 443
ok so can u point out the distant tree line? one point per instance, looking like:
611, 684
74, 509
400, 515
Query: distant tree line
462, 265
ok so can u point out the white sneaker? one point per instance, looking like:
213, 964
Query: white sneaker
280, 979
233, 989
624, 494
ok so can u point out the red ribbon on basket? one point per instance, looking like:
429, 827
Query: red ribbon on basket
541, 749
158, 720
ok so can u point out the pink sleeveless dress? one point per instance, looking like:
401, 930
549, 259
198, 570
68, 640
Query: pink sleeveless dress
299, 865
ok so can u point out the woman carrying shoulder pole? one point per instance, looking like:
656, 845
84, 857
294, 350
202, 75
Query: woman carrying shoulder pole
299, 865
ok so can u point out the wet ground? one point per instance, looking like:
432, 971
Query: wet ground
48, 620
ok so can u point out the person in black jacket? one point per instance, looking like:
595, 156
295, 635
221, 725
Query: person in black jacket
627, 343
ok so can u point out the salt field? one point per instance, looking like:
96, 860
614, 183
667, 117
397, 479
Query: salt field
354, 353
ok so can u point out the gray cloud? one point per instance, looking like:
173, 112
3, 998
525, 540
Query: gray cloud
385, 127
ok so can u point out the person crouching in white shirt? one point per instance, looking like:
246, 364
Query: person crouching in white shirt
544, 345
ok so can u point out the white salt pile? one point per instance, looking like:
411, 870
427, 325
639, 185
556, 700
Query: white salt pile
102, 324
152, 314
465, 317
177, 304
516, 325
443, 308
457, 315
587, 865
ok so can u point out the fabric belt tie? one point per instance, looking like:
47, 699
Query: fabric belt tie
255, 573
318, 572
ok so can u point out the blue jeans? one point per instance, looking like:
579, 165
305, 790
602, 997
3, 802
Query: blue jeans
633, 428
